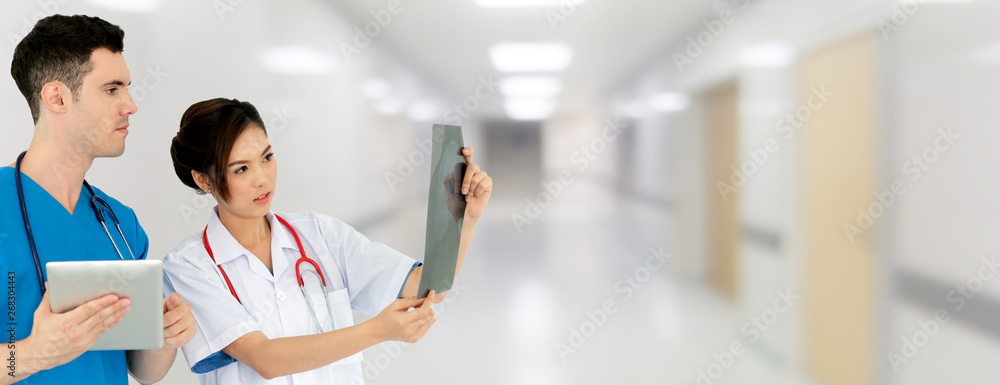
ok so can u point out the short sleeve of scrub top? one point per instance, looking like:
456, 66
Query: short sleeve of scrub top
60, 236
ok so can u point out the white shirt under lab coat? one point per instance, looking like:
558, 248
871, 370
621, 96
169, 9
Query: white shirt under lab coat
360, 274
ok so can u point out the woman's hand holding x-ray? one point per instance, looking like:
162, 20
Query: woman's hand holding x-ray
467, 197
395, 323
476, 186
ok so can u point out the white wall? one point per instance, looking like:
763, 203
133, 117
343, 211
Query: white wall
941, 77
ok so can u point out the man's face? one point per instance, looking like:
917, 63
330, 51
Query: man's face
99, 114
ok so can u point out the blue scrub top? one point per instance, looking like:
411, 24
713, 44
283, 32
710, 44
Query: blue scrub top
59, 236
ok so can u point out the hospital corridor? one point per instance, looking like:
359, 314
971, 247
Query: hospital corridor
686, 192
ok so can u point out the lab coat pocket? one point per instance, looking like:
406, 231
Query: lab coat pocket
340, 301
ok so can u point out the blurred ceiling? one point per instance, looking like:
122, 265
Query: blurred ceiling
449, 42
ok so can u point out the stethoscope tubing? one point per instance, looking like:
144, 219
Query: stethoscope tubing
98, 204
298, 273
27, 223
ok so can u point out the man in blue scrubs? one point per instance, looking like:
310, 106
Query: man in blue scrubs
73, 75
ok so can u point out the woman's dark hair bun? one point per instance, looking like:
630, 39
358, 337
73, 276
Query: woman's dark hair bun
207, 133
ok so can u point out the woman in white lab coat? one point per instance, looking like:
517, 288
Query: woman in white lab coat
240, 272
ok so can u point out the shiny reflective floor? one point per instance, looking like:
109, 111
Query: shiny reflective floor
531, 307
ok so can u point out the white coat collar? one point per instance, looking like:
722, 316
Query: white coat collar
225, 247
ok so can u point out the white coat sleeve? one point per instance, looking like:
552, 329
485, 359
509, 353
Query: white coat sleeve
375, 272
219, 317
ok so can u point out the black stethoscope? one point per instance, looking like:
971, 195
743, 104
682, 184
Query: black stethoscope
96, 202
298, 273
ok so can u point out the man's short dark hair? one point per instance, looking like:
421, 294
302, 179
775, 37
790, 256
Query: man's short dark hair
58, 48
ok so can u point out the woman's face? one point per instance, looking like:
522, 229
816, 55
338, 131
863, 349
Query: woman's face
251, 174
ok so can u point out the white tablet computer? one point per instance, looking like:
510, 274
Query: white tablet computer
72, 284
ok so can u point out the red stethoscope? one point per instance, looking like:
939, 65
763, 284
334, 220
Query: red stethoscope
298, 273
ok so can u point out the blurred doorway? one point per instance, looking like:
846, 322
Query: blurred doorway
514, 153
722, 235
838, 177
